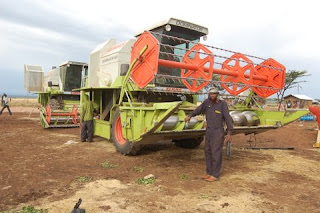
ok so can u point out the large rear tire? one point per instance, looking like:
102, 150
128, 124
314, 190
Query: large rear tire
189, 143
122, 145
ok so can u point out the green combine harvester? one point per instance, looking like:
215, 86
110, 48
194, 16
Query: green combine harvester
146, 86
59, 103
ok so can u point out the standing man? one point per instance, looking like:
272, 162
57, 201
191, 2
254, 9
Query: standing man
216, 112
2, 99
86, 118
5, 104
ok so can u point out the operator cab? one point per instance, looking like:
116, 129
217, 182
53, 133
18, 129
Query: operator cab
178, 28
70, 74
189, 35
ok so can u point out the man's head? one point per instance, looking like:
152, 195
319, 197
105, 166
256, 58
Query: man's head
4, 94
213, 93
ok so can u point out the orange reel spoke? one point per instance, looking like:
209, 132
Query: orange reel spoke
242, 76
274, 72
200, 64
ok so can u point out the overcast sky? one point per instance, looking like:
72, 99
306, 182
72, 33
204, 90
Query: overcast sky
48, 33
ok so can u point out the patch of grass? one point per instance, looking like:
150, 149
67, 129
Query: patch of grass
203, 196
137, 169
108, 165
83, 179
31, 209
183, 177
146, 181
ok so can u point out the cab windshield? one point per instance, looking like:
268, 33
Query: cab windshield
174, 51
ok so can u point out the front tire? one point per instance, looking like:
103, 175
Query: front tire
189, 143
122, 145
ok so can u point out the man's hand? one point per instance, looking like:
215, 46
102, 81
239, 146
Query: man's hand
187, 119
227, 137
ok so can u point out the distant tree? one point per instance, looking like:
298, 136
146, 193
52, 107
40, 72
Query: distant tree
292, 80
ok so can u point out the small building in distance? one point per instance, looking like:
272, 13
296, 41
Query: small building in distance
297, 101
316, 102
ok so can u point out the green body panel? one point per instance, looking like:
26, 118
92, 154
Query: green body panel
68, 104
144, 122
102, 128
118, 82
43, 98
271, 118
54, 91
139, 120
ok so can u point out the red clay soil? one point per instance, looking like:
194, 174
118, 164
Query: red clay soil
35, 164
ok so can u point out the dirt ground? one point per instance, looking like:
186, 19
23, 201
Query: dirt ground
38, 169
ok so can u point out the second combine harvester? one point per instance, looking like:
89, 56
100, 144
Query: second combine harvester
146, 86
58, 102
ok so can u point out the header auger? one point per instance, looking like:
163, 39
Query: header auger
198, 65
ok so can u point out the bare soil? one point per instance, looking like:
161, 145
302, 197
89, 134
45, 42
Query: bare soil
38, 169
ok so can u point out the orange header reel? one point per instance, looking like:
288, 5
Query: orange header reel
52, 117
198, 66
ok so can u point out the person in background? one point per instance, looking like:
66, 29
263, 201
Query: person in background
86, 118
216, 112
2, 99
5, 104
